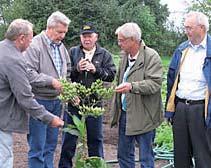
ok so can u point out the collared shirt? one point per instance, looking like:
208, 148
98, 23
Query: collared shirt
131, 62
56, 55
89, 54
192, 84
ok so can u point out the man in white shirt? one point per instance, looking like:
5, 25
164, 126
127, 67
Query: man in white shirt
192, 113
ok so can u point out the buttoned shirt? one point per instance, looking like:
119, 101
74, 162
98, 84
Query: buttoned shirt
56, 55
192, 83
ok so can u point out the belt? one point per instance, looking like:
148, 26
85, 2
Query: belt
190, 102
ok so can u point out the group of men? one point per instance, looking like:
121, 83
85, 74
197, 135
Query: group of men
30, 69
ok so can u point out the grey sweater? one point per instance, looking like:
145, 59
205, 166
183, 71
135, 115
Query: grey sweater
40, 63
16, 98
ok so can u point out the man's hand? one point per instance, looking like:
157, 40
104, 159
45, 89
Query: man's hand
82, 65
75, 101
123, 87
57, 85
57, 122
90, 67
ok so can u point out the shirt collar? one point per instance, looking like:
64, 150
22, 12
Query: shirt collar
92, 51
51, 43
133, 58
203, 44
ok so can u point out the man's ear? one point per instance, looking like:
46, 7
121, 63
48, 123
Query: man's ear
21, 38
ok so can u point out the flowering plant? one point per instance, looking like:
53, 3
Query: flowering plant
88, 106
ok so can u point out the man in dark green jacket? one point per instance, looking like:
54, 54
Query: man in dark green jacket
137, 105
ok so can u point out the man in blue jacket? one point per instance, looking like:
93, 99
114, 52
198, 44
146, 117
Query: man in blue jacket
191, 64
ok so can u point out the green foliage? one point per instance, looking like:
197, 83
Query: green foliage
78, 129
164, 136
89, 97
69, 91
106, 15
91, 162
91, 111
2, 31
203, 6
87, 107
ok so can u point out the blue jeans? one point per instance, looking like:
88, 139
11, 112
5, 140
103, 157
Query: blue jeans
126, 147
42, 138
94, 139
6, 149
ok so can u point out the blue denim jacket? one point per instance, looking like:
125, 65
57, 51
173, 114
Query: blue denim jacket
173, 68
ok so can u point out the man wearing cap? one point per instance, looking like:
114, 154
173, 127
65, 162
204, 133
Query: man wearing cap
89, 62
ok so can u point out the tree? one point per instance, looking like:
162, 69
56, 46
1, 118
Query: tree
106, 15
202, 6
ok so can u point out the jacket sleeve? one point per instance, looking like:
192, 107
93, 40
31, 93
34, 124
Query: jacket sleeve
152, 76
68, 61
21, 88
32, 57
74, 59
107, 70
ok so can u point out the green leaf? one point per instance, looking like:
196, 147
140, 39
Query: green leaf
80, 125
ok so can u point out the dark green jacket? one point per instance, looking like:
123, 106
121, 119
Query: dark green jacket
144, 104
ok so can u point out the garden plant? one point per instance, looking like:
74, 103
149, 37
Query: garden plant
88, 106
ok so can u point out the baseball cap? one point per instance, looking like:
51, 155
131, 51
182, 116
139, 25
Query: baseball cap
88, 28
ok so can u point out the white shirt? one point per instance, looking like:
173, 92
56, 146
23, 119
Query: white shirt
89, 54
130, 64
192, 83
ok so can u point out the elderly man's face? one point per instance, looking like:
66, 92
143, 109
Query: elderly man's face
57, 33
88, 40
124, 43
194, 31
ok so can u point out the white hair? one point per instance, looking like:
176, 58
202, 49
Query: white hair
18, 27
130, 30
57, 17
201, 18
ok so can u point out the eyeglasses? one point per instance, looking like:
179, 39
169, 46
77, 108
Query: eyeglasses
190, 28
122, 40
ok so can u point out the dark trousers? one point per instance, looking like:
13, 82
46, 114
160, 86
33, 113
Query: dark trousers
190, 137
94, 139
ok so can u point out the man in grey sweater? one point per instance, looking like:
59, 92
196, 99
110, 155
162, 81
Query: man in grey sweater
16, 98
48, 61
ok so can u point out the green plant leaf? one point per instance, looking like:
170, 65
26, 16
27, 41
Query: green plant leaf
80, 125
72, 131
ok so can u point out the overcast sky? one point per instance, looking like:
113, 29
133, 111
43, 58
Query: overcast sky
177, 9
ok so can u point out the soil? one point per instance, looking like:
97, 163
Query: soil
110, 148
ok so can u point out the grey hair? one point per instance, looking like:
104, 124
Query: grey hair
201, 18
57, 17
130, 29
18, 27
